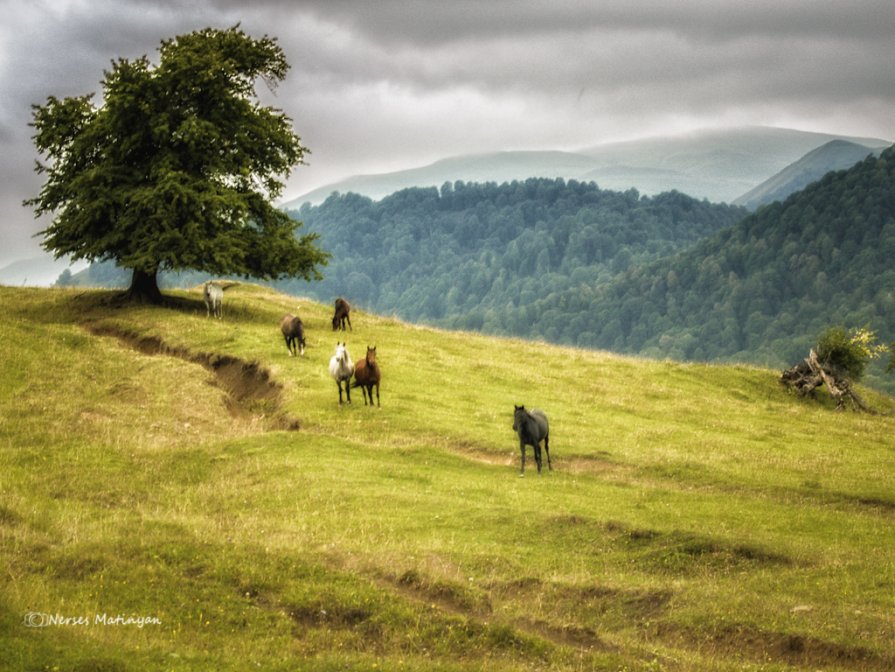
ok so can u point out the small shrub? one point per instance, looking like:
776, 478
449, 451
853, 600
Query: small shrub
848, 353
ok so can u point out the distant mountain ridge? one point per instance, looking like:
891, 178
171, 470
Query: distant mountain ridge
834, 155
719, 165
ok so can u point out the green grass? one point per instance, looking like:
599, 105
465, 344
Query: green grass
698, 517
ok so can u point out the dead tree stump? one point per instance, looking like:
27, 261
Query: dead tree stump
809, 374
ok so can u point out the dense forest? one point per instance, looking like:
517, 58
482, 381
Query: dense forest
472, 254
760, 291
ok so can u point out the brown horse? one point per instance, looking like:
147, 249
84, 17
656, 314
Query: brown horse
294, 333
341, 315
367, 375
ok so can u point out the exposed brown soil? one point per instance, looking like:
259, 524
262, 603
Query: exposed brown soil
454, 599
250, 387
751, 644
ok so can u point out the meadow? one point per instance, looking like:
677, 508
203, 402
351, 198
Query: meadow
178, 493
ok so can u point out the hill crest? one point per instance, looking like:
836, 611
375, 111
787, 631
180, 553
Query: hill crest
834, 155
716, 164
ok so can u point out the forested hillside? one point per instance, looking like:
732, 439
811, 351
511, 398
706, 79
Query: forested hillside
471, 254
759, 291
663, 276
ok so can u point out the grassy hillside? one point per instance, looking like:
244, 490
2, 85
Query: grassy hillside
698, 517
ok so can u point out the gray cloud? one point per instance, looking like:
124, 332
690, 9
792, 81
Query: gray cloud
397, 83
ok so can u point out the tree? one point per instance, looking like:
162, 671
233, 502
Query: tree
178, 167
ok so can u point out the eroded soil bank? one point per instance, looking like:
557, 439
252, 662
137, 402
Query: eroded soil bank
249, 386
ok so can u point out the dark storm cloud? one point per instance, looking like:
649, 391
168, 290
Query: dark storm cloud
428, 22
395, 83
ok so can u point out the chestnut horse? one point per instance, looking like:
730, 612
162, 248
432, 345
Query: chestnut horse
341, 315
367, 375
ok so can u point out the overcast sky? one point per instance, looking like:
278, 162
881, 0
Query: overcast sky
380, 85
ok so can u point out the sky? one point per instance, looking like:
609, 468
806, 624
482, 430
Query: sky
383, 85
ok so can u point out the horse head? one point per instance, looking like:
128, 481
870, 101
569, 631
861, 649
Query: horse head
371, 356
517, 411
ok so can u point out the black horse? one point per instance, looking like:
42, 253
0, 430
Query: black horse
532, 428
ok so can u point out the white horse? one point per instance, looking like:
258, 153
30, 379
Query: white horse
341, 369
214, 299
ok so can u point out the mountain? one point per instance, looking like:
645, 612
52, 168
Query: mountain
834, 155
718, 165
36, 271
489, 167
759, 291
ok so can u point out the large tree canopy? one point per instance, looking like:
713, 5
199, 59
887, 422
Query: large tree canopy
178, 167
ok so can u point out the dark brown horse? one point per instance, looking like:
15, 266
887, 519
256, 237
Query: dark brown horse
341, 315
367, 375
294, 333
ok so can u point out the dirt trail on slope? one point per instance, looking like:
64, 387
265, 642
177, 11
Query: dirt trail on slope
250, 387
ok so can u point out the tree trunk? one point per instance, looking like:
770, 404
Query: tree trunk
144, 288
809, 374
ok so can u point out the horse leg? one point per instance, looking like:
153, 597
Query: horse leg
547, 450
538, 456
349, 322
348, 388
339, 385
288, 345
522, 450
377, 397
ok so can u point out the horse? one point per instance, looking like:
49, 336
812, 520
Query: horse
294, 333
341, 368
341, 315
532, 427
367, 375
214, 299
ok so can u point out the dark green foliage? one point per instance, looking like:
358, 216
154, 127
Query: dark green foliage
758, 290
178, 167
839, 353
480, 256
